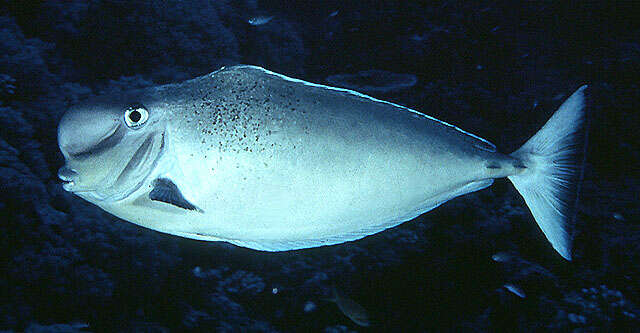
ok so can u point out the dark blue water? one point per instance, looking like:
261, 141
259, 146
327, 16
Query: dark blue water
496, 68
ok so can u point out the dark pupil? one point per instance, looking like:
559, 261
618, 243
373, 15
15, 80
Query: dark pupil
135, 116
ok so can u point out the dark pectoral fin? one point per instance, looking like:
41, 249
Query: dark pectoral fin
166, 191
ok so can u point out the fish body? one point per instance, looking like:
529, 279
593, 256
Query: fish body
350, 308
260, 20
264, 161
516, 290
502, 257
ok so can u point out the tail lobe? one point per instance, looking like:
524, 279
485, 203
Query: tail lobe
554, 159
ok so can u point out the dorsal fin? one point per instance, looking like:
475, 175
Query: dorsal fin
166, 191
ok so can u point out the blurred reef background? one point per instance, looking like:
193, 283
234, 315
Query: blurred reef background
497, 69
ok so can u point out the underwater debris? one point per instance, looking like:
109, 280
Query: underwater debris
206, 273
309, 306
618, 217
68, 328
337, 329
7, 86
373, 81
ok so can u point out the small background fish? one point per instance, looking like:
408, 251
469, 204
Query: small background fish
260, 20
502, 257
515, 289
349, 307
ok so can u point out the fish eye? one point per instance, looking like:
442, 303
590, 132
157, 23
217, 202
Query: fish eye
135, 116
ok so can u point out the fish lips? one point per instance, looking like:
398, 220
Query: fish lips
69, 177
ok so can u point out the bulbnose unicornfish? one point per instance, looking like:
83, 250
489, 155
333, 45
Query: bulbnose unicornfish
265, 161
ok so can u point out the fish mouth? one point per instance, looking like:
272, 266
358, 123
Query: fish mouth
69, 178
67, 175
68, 185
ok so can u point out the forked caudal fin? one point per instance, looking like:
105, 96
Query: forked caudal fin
554, 158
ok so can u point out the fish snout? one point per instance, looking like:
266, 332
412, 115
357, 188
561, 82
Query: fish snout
81, 130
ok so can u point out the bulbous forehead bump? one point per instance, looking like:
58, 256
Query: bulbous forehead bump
88, 123
83, 127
